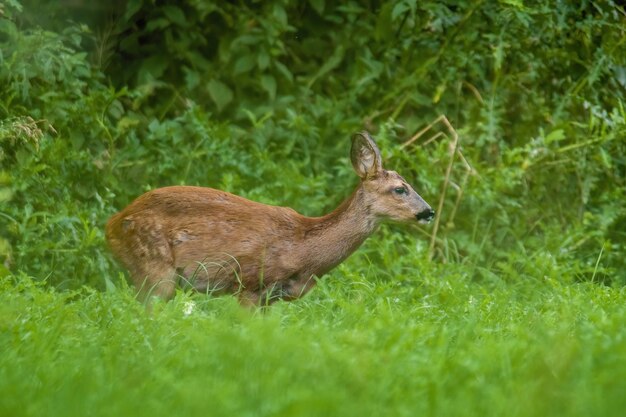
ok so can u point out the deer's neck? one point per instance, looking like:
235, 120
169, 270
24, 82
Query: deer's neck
332, 238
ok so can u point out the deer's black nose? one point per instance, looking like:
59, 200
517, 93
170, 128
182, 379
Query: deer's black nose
426, 215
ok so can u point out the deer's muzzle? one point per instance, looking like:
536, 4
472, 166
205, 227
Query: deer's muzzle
425, 216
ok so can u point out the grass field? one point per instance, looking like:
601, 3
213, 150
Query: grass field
431, 342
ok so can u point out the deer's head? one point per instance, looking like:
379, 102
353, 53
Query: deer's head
387, 194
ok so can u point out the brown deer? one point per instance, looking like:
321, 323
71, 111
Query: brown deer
217, 242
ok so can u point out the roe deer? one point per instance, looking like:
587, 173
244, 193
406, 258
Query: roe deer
218, 242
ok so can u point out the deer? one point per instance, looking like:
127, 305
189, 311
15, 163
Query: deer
216, 242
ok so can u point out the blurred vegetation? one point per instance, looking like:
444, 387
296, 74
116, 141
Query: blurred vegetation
102, 101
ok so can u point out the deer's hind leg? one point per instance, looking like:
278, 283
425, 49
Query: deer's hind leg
156, 279
149, 259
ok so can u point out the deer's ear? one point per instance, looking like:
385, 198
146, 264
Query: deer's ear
365, 155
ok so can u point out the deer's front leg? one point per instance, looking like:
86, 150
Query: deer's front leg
288, 290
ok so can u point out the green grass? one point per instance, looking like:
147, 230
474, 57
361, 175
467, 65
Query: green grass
433, 342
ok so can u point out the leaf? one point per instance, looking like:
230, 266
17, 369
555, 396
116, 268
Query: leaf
157, 24
116, 109
555, 136
280, 14
110, 287
77, 139
152, 67
268, 83
192, 78
332, 63
175, 15
220, 93
263, 60
399, 9
132, 7
498, 56
441, 88
620, 75
15, 4
384, 26
519, 4
4, 271
244, 64
284, 70
5, 194
318, 6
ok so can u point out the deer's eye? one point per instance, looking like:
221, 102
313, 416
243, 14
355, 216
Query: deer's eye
399, 190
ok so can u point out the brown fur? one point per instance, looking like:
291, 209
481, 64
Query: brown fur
218, 242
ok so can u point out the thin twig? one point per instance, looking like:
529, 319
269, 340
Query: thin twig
421, 132
446, 180
454, 151
433, 138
